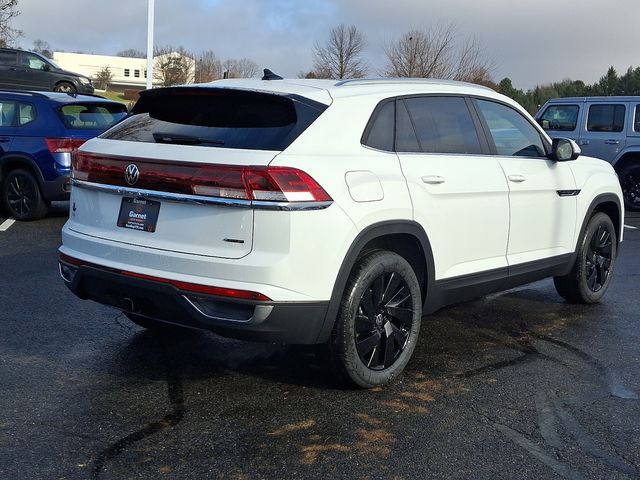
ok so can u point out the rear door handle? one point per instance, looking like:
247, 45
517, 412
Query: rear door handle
433, 179
517, 178
612, 142
5, 139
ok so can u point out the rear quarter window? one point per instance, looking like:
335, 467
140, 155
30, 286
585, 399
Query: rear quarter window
218, 118
91, 116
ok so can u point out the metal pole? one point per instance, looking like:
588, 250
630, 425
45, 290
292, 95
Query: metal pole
150, 46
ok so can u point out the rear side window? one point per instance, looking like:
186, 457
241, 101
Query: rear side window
217, 118
379, 133
442, 125
636, 121
8, 58
15, 114
606, 118
512, 134
563, 118
91, 116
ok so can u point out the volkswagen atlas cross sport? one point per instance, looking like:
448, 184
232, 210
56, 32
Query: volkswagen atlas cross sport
332, 212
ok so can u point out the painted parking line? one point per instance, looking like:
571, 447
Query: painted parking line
4, 226
630, 227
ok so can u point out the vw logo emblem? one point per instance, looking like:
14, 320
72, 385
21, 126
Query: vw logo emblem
131, 174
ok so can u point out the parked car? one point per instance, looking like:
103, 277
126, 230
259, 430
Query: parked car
603, 127
38, 132
316, 211
23, 70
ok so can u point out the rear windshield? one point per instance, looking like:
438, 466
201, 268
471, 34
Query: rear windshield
91, 116
217, 118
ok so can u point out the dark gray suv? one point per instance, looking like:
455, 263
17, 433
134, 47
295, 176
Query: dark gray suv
23, 70
604, 127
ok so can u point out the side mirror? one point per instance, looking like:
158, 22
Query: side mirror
564, 149
46, 67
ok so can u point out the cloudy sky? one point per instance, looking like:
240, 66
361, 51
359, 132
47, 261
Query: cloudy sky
531, 42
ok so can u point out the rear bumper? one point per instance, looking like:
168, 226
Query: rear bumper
56, 190
282, 322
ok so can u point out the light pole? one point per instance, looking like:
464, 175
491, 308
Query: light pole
150, 46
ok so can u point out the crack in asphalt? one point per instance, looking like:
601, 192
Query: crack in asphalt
175, 393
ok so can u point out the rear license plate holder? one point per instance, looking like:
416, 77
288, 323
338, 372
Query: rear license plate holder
139, 214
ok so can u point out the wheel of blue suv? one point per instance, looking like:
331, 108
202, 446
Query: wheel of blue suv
591, 274
378, 321
153, 325
21, 196
630, 183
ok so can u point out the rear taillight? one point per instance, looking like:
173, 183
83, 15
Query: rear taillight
63, 145
253, 183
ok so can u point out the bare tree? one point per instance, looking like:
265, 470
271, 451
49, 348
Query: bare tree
8, 12
131, 52
43, 48
341, 55
242, 68
103, 78
437, 53
173, 66
208, 67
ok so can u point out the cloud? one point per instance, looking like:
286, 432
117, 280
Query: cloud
530, 42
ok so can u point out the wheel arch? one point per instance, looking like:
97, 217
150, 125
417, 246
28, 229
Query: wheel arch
626, 157
609, 204
11, 162
406, 238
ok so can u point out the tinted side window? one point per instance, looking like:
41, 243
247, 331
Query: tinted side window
443, 125
380, 129
8, 114
8, 58
406, 140
560, 117
636, 121
512, 133
606, 118
32, 61
26, 113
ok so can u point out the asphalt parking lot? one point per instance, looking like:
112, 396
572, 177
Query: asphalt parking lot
518, 385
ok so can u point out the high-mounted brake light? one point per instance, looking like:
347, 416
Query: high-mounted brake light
63, 145
252, 183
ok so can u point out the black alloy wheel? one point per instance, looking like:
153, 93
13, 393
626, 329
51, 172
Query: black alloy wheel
598, 258
591, 274
630, 183
378, 321
22, 197
383, 321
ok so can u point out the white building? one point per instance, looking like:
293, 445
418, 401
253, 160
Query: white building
127, 72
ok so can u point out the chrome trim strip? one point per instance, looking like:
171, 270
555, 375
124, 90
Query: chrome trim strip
198, 199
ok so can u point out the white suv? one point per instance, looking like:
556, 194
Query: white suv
316, 211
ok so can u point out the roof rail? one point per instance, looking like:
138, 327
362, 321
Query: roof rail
405, 80
23, 92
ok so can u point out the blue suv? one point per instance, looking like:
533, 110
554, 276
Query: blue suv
38, 132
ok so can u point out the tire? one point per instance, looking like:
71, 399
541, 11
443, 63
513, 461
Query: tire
591, 274
65, 87
21, 196
378, 321
152, 325
630, 183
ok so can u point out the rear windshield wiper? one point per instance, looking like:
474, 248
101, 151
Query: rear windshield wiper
184, 139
